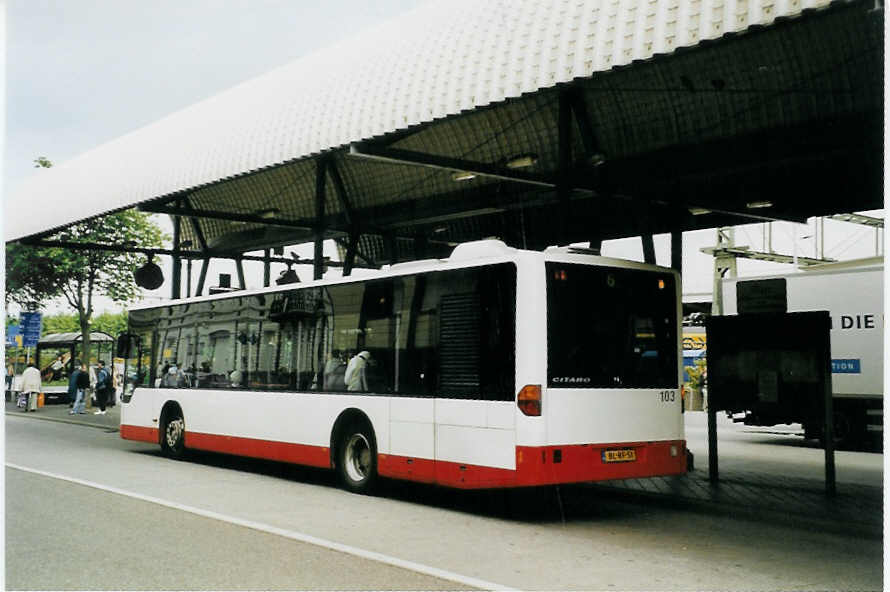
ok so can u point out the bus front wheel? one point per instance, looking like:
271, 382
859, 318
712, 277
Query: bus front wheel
173, 437
357, 458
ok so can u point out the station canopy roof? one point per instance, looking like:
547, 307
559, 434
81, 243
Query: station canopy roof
67, 339
629, 117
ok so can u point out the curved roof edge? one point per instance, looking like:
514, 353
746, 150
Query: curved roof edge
435, 61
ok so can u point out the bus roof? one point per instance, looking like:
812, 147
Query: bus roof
471, 254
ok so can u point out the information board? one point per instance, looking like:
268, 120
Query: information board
30, 324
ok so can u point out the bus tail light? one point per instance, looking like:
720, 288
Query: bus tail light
529, 399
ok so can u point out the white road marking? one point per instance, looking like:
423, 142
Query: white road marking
290, 534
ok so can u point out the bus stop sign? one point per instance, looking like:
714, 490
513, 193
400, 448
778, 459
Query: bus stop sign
30, 324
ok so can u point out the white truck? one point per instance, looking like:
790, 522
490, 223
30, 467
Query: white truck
853, 294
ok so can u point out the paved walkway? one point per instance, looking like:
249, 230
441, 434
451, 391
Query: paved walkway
856, 509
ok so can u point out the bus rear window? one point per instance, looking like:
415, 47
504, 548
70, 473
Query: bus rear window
610, 327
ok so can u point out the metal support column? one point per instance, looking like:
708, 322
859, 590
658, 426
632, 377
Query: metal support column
188, 278
564, 164
202, 276
351, 249
320, 176
648, 249
713, 474
828, 429
267, 269
239, 266
175, 285
677, 250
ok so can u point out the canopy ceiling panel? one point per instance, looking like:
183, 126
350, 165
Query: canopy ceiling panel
629, 109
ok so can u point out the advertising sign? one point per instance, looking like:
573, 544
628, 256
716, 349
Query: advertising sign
12, 331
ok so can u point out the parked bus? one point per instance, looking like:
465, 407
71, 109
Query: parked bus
496, 367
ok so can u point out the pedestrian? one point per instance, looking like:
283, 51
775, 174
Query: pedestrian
82, 384
118, 387
103, 385
31, 387
56, 367
72, 385
10, 374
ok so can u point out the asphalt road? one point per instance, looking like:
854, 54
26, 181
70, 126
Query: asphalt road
215, 522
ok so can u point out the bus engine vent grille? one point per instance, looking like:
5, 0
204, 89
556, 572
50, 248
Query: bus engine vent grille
459, 344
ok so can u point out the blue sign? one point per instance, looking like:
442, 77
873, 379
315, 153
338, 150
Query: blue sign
846, 366
12, 331
30, 323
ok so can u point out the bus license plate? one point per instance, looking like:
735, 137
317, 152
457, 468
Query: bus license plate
620, 455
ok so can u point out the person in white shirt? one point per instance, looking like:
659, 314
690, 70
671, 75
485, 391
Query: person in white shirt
356, 377
31, 387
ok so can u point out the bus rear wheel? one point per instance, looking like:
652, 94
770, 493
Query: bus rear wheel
357, 458
173, 436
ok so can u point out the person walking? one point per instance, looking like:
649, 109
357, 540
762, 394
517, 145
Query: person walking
31, 387
103, 384
82, 383
72, 385
10, 375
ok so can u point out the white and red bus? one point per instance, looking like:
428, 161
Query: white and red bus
496, 367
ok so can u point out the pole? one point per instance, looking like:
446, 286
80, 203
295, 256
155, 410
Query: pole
713, 473
177, 260
828, 430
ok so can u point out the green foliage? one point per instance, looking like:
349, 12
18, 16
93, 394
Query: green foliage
38, 275
42, 162
41, 274
113, 323
60, 323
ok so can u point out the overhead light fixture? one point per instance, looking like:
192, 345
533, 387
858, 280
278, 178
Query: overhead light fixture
699, 211
149, 276
268, 213
440, 229
756, 205
522, 161
597, 158
462, 176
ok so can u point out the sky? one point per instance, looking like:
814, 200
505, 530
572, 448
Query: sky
83, 72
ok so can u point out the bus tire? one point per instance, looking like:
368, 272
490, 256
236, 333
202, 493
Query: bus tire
173, 434
356, 459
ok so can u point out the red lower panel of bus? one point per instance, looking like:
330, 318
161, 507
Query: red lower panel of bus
129, 432
298, 454
545, 465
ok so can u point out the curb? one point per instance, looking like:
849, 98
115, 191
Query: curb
108, 428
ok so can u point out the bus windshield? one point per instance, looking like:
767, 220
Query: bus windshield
610, 327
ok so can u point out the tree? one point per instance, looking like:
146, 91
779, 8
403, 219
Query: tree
40, 274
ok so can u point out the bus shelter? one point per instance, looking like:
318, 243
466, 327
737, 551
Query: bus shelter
68, 347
